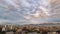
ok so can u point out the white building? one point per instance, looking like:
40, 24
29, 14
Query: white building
10, 32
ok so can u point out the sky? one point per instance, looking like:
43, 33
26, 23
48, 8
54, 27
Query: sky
29, 11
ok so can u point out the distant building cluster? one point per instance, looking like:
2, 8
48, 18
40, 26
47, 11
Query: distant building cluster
29, 29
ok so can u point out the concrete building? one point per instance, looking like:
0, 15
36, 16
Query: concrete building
10, 32
52, 33
33, 33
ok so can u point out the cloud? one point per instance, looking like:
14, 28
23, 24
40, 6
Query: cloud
26, 12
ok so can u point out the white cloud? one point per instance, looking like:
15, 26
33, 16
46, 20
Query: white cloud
25, 12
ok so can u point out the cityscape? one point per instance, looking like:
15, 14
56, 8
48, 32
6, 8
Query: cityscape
46, 28
29, 16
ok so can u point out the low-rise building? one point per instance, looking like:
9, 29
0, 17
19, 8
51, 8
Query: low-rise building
10, 32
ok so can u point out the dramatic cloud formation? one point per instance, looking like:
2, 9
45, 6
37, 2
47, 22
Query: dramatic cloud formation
29, 11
